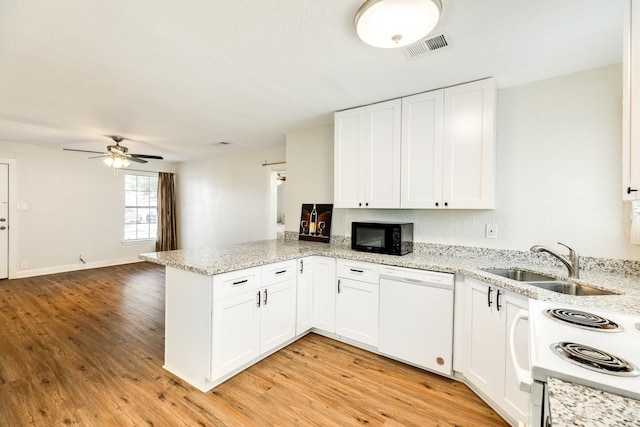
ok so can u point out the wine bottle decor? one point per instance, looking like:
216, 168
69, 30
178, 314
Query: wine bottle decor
315, 222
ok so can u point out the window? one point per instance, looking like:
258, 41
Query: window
140, 207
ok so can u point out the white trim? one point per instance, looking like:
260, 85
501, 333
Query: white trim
74, 267
13, 223
139, 241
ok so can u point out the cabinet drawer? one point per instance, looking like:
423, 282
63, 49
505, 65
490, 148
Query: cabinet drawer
235, 282
362, 271
279, 272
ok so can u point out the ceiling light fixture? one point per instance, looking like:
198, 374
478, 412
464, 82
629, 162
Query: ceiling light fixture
396, 23
117, 161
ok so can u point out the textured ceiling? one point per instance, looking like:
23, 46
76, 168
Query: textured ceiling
177, 77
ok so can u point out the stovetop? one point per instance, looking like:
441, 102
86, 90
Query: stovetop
561, 334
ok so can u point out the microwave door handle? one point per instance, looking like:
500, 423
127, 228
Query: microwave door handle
522, 375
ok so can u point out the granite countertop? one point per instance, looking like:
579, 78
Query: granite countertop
568, 401
578, 405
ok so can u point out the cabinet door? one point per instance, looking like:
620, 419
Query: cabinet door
422, 140
324, 294
381, 155
515, 402
631, 103
357, 311
304, 295
486, 338
278, 314
236, 332
469, 145
349, 137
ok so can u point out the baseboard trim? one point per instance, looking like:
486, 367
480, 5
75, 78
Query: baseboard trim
21, 274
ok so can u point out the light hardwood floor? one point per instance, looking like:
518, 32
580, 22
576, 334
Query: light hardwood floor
86, 348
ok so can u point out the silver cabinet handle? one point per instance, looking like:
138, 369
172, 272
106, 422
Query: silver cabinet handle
2, 227
258, 303
301, 266
338, 285
3, 219
265, 297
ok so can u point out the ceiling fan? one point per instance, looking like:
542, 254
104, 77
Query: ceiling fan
118, 155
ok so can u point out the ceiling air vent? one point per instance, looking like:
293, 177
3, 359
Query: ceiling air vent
425, 46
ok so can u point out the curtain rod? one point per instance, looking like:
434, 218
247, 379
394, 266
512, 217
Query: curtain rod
274, 163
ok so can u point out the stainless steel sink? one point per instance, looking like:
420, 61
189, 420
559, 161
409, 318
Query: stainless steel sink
519, 275
569, 288
547, 282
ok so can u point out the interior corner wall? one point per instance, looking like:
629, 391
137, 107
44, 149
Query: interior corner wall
75, 206
225, 200
309, 171
558, 173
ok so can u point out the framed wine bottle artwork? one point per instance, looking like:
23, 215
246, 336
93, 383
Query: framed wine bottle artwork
315, 222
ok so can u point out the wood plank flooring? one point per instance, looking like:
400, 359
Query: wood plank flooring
86, 348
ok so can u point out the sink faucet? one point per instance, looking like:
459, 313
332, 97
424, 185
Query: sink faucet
572, 263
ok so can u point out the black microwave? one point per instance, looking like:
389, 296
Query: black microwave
389, 238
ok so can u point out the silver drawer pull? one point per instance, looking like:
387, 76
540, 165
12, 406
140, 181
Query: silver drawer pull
281, 271
240, 282
357, 271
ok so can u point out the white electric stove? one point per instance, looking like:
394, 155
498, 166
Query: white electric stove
588, 346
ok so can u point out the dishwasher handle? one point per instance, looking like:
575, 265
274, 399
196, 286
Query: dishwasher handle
522, 375
448, 284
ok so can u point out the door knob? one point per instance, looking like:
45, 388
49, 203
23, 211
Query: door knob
3, 219
2, 227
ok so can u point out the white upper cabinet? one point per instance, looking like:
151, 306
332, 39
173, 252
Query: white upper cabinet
448, 147
422, 143
631, 103
427, 151
468, 169
367, 156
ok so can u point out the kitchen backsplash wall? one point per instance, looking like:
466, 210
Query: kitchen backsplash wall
557, 179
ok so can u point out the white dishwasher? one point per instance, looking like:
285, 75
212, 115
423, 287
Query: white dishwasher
416, 317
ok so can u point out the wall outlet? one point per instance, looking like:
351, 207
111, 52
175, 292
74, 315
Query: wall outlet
491, 231
24, 265
22, 206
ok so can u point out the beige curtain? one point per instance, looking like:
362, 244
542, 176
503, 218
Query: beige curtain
167, 237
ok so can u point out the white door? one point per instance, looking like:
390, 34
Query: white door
422, 140
236, 332
4, 221
357, 311
381, 155
469, 145
304, 295
348, 140
278, 314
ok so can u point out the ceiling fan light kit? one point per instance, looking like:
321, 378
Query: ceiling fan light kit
118, 156
396, 23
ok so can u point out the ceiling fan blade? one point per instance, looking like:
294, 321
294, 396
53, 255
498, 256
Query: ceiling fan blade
147, 156
136, 159
84, 151
99, 157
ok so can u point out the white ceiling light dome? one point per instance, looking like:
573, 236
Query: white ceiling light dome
396, 23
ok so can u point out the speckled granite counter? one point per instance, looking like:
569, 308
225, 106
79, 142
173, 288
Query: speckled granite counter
216, 260
468, 262
577, 405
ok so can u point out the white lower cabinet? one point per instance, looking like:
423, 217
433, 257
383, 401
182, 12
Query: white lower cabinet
490, 311
324, 293
255, 313
357, 302
304, 295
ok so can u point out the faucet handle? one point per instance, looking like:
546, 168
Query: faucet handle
573, 255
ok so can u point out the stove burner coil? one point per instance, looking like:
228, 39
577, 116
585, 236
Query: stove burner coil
594, 359
584, 320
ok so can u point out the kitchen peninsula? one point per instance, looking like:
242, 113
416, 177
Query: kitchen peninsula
199, 281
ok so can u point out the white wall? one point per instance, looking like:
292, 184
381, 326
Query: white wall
226, 200
309, 172
558, 173
75, 207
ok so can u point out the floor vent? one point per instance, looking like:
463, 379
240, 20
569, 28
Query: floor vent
425, 46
